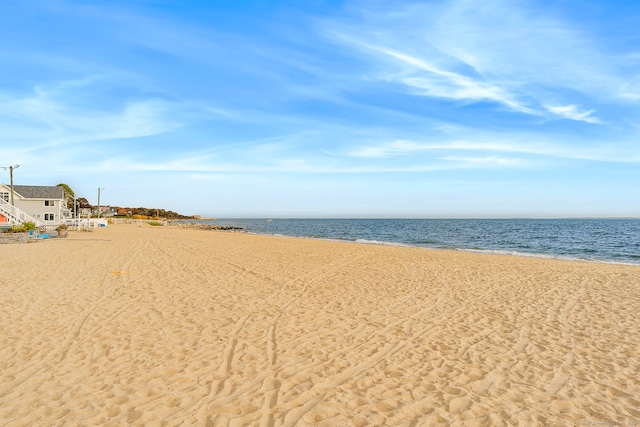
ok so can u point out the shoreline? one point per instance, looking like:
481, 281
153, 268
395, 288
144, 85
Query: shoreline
498, 252
145, 325
552, 239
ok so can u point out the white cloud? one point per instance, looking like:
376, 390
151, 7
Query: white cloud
507, 53
572, 112
139, 118
394, 148
408, 148
53, 117
524, 144
486, 161
441, 83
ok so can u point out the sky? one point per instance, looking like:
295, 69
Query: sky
327, 108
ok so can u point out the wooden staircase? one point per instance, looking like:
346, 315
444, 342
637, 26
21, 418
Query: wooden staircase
15, 215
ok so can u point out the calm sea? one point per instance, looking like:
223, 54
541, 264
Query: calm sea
604, 240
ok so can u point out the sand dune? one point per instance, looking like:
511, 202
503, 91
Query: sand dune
133, 325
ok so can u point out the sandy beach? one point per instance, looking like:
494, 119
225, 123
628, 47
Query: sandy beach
167, 326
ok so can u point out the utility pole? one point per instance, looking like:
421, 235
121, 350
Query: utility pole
99, 200
11, 168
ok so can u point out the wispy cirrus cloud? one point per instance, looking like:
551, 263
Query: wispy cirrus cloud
57, 119
409, 148
485, 161
572, 112
441, 83
529, 145
507, 54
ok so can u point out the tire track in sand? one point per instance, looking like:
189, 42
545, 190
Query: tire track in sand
59, 353
271, 385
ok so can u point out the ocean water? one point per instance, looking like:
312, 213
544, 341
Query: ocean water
602, 240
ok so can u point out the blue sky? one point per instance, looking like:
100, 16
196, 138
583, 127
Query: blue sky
324, 108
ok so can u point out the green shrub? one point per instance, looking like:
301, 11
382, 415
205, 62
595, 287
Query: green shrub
24, 228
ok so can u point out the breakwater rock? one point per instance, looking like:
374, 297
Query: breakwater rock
210, 227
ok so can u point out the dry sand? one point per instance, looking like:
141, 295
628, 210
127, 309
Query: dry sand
140, 325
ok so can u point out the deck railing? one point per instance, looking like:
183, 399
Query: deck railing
15, 215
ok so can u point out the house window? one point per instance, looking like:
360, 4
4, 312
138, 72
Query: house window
4, 196
49, 202
49, 217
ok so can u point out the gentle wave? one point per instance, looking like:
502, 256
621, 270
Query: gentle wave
381, 243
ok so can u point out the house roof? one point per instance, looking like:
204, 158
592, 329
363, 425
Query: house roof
39, 191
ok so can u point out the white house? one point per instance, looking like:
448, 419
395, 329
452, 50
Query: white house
44, 205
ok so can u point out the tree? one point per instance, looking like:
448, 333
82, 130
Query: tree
68, 194
83, 203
